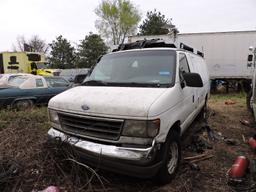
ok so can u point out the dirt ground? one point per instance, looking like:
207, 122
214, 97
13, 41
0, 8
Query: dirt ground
28, 163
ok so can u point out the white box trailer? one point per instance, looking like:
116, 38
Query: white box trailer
225, 52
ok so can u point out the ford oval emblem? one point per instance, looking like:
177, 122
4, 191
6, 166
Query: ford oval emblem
85, 107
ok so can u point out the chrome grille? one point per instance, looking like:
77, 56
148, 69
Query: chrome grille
102, 128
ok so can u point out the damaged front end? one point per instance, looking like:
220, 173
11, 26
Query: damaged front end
104, 142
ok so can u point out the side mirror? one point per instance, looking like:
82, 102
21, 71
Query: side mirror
80, 78
193, 80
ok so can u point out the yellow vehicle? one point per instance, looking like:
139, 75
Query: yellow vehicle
25, 62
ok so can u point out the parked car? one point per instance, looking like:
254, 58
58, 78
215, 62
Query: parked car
130, 113
70, 74
26, 91
6, 78
79, 79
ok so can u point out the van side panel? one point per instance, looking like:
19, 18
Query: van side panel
173, 100
201, 68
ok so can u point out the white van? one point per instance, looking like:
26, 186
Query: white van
132, 109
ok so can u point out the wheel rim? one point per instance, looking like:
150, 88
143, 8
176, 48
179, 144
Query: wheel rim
174, 156
23, 104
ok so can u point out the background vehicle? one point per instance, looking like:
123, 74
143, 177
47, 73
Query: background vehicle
25, 62
70, 74
251, 97
225, 53
79, 79
26, 91
133, 107
6, 78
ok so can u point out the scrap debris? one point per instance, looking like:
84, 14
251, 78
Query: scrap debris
9, 170
230, 102
50, 189
245, 122
242, 175
252, 142
232, 141
198, 158
253, 169
244, 140
238, 170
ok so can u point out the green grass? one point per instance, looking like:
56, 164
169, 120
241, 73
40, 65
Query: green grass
238, 97
37, 116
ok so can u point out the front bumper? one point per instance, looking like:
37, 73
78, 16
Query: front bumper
137, 162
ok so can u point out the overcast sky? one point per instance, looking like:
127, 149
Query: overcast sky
75, 18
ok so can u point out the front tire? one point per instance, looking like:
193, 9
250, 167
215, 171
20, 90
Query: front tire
23, 104
248, 101
171, 154
203, 113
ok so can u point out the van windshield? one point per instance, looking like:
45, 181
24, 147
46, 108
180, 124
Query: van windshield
147, 68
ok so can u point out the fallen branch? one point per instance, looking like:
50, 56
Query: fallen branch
196, 157
201, 159
243, 137
245, 122
90, 169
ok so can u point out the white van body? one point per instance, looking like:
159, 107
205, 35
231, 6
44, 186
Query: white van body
172, 106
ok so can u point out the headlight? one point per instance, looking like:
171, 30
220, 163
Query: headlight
53, 115
141, 128
153, 127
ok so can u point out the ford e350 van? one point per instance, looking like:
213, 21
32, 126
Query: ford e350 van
133, 107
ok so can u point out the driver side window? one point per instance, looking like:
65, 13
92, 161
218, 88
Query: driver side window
183, 68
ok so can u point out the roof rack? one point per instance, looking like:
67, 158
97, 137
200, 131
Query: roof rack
200, 53
186, 47
144, 44
152, 43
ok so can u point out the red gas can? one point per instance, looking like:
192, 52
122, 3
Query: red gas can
252, 142
238, 169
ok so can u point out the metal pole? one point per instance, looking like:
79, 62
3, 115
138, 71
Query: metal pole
252, 101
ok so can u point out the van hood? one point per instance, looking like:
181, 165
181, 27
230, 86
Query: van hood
107, 101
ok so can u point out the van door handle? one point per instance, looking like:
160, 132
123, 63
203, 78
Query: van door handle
193, 98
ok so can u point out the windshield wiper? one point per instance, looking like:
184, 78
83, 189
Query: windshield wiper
123, 84
138, 84
142, 84
94, 82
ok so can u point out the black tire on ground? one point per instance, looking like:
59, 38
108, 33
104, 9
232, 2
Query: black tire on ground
248, 101
23, 104
203, 113
171, 155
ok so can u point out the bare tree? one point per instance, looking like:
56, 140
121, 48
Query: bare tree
34, 44
20, 41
